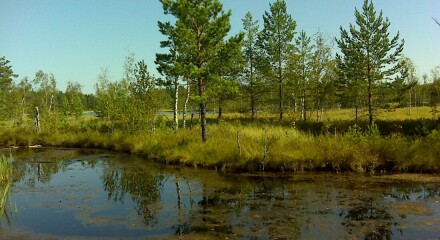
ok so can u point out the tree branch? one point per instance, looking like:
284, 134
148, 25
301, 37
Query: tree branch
436, 21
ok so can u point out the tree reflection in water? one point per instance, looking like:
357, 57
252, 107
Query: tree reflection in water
141, 184
369, 219
240, 207
191, 203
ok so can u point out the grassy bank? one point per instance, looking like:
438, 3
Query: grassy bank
252, 148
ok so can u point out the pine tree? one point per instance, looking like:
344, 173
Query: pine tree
199, 35
369, 56
250, 54
168, 66
276, 42
6, 76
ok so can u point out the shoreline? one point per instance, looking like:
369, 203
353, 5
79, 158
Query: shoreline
425, 178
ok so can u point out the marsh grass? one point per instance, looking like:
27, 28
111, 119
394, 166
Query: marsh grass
263, 146
345, 114
398, 144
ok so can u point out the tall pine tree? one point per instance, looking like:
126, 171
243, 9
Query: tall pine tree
168, 66
200, 35
276, 42
250, 54
368, 54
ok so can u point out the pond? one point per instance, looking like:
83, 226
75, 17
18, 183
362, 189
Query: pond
88, 194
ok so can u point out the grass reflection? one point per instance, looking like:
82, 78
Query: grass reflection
5, 184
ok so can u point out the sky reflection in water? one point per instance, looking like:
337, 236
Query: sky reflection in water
76, 193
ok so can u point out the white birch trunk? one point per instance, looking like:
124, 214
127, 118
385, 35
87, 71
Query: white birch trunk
186, 102
176, 103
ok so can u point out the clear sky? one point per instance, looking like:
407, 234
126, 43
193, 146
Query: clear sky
75, 39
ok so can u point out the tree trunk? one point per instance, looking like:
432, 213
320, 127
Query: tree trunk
252, 106
322, 113
203, 121
317, 114
220, 108
191, 121
370, 94
251, 83
37, 120
294, 103
23, 103
280, 91
356, 106
370, 103
176, 104
304, 105
188, 84
201, 85
51, 103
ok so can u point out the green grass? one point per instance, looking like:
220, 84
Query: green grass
348, 114
405, 143
265, 147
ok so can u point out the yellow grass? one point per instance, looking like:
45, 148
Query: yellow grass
348, 114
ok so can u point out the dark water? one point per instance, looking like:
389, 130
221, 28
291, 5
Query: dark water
83, 194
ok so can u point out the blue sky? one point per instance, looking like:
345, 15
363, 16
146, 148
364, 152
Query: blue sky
75, 39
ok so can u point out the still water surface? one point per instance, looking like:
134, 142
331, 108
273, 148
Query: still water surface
65, 193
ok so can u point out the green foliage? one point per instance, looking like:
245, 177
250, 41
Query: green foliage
198, 36
72, 102
435, 91
354, 133
373, 130
276, 42
6, 73
302, 64
368, 54
44, 88
6, 77
252, 77
130, 104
